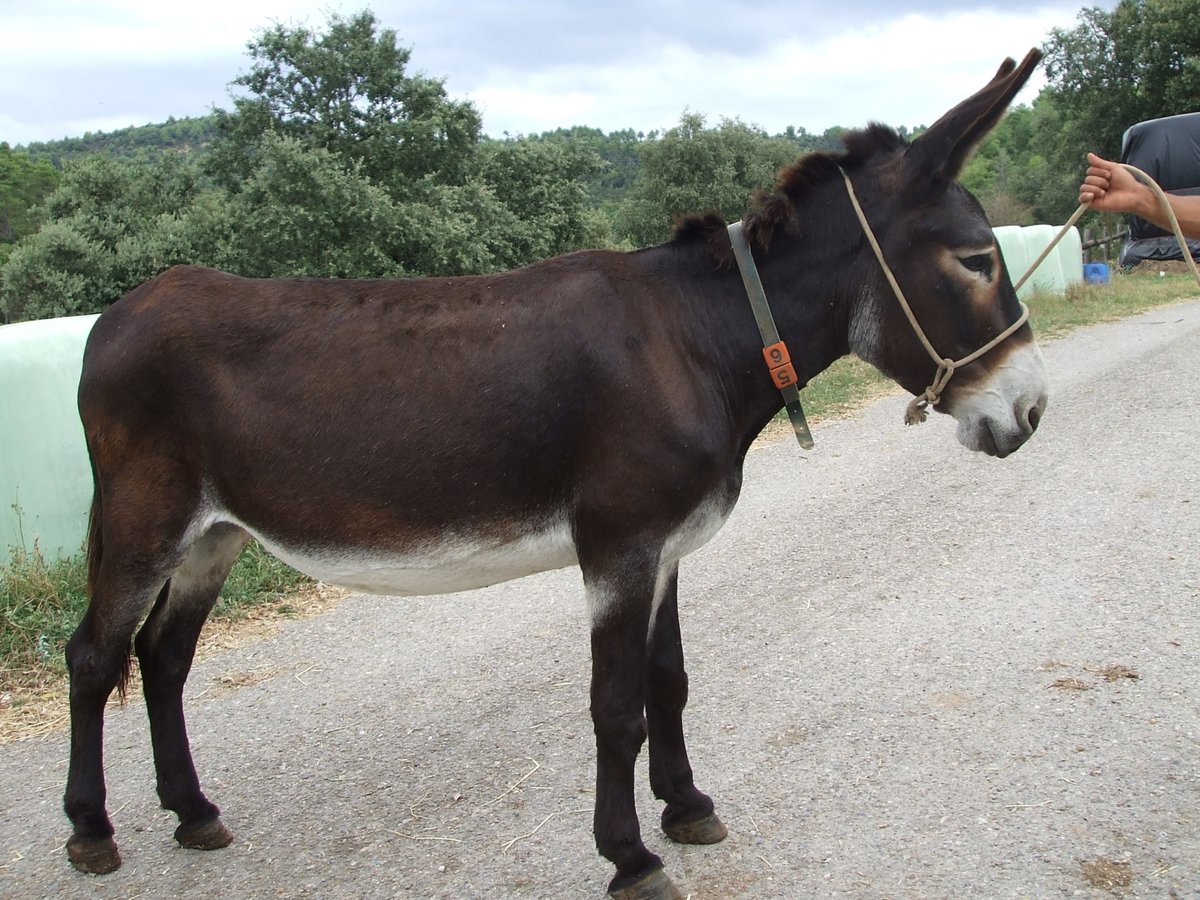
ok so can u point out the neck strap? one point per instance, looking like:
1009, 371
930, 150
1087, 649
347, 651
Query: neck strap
775, 351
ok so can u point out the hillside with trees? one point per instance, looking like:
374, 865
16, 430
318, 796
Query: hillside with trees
176, 136
335, 160
25, 183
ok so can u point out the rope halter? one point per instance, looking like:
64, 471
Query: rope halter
917, 410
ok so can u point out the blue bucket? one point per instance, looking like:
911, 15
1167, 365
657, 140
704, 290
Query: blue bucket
1095, 273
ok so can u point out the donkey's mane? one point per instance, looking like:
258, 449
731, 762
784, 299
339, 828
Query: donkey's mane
774, 209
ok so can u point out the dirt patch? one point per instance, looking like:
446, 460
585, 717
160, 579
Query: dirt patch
234, 681
952, 700
1107, 875
1151, 267
1110, 674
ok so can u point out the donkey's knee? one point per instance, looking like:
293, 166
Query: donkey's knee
96, 664
618, 729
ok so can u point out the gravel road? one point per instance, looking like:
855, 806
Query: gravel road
916, 672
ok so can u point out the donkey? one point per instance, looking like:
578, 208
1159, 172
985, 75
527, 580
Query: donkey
434, 435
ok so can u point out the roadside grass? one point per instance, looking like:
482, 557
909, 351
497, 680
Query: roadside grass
41, 600
257, 578
1125, 295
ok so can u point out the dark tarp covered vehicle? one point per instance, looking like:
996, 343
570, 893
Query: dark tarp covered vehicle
1168, 150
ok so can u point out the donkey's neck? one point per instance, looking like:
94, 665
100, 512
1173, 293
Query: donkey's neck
720, 327
810, 300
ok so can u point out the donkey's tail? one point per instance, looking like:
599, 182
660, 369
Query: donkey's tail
95, 555
95, 542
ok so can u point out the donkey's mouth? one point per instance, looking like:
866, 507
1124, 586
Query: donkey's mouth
985, 442
996, 438
1000, 412
983, 438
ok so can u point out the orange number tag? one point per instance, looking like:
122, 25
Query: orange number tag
776, 355
779, 361
784, 376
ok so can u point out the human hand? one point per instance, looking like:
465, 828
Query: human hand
1108, 187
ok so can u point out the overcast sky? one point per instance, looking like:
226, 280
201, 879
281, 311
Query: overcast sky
71, 66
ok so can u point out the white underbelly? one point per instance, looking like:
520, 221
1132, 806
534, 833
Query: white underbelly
457, 563
461, 561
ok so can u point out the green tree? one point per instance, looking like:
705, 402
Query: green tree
24, 184
1140, 60
998, 173
619, 153
544, 185
304, 211
806, 142
457, 205
300, 211
149, 142
693, 168
57, 273
346, 91
110, 224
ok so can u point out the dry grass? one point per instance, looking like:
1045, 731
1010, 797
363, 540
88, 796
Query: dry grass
1071, 684
1110, 673
1116, 673
40, 706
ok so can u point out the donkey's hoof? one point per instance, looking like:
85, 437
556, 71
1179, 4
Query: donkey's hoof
210, 835
96, 856
655, 886
706, 830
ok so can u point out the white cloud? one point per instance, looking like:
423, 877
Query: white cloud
117, 31
71, 65
907, 71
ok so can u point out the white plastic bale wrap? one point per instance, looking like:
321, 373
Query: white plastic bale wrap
1057, 272
45, 480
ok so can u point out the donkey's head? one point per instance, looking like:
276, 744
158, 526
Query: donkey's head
936, 240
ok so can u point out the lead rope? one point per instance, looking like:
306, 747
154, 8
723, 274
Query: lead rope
918, 409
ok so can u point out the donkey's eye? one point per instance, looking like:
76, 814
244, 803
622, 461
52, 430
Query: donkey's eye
978, 262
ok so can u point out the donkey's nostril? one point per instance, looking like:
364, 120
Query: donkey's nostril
1033, 416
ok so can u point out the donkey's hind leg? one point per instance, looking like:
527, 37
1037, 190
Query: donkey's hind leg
97, 661
124, 578
166, 645
688, 816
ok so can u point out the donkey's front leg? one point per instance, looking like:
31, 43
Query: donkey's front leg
620, 599
688, 816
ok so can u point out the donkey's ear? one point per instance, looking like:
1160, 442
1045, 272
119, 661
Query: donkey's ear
943, 150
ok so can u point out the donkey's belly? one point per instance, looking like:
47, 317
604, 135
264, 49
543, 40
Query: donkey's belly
436, 566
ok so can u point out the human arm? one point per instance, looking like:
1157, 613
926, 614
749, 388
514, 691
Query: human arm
1110, 188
